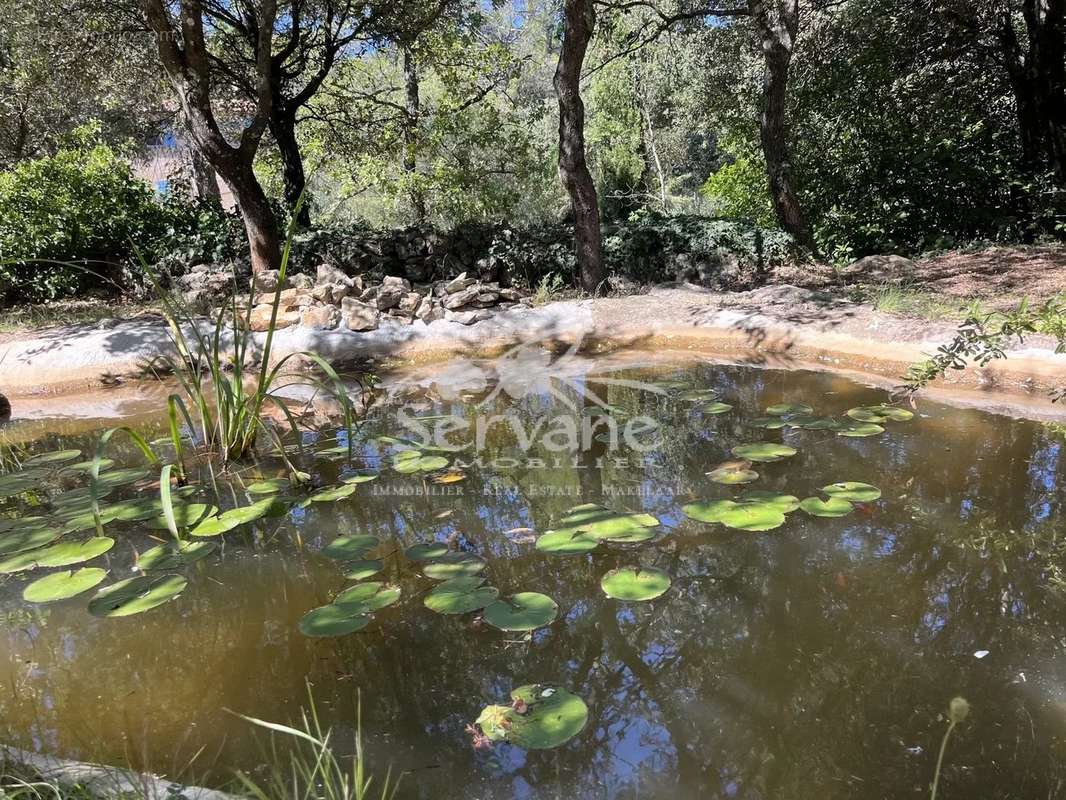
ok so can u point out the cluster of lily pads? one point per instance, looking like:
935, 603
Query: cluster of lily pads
861, 421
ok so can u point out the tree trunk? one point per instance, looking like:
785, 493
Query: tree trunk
777, 23
283, 129
579, 20
413, 111
259, 221
204, 180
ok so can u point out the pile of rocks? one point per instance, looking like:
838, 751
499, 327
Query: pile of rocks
333, 299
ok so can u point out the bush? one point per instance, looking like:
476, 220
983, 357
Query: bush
81, 205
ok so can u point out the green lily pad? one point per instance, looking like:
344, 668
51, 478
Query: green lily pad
350, 548
567, 543
879, 414
16, 483
19, 524
215, 526
75, 500
61, 554
366, 597
362, 477
859, 429
86, 466
121, 477
331, 494
407, 462
540, 718
754, 517
136, 595
763, 451
715, 408
27, 538
698, 394
84, 520
269, 486
55, 457
853, 491
602, 523
524, 611
332, 620
731, 476
833, 507
186, 515
454, 565
816, 423
63, 585
635, 583
174, 555
752, 511
769, 423
785, 503
426, 551
361, 570
460, 596
788, 409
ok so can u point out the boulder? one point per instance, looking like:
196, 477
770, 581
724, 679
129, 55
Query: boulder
369, 293
321, 318
389, 295
259, 320
458, 284
880, 269
328, 274
399, 283
467, 317
461, 298
301, 281
360, 316
265, 281
409, 302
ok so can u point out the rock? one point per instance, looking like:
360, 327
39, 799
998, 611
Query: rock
321, 318
467, 317
265, 281
301, 281
288, 299
880, 268
369, 293
360, 316
393, 281
461, 298
458, 283
323, 293
511, 294
260, 318
389, 295
410, 302
327, 274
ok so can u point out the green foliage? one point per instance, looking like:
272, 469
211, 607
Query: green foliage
738, 190
81, 206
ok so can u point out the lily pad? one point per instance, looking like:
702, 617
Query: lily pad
55, 457
460, 596
769, 423
361, 570
27, 538
524, 611
186, 515
754, 517
880, 413
15, 483
76, 500
20, 524
121, 477
788, 409
816, 423
350, 548
426, 551
454, 565
174, 555
833, 507
731, 476
409, 464
785, 503
269, 486
635, 583
215, 526
602, 523
61, 554
63, 585
763, 451
567, 542
752, 511
540, 717
859, 429
136, 595
331, 494
362, 477
366, 597
853, 491
715, 408
332, 620
83, 520
86, 466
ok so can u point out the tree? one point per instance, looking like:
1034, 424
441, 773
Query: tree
188, 64
579, 19
777, 25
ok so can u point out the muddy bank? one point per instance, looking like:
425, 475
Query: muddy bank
778, 326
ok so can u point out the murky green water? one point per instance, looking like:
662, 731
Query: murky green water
814, 660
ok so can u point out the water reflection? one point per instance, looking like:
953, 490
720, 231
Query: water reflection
808, 662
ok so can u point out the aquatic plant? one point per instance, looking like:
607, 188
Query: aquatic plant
958, 711
539, 717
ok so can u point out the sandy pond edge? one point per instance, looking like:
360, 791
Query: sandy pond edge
777, 327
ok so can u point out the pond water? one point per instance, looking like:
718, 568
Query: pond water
812, 660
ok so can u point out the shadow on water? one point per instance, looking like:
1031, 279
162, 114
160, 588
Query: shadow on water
811, 661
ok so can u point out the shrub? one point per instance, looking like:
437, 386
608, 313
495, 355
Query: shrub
81, 205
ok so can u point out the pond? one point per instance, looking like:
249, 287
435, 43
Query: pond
782, 653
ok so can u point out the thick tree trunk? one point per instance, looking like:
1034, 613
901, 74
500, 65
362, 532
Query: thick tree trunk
579, 20
261, 225
283, 129
413, 112
204, 180
1037, 76
777, 23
